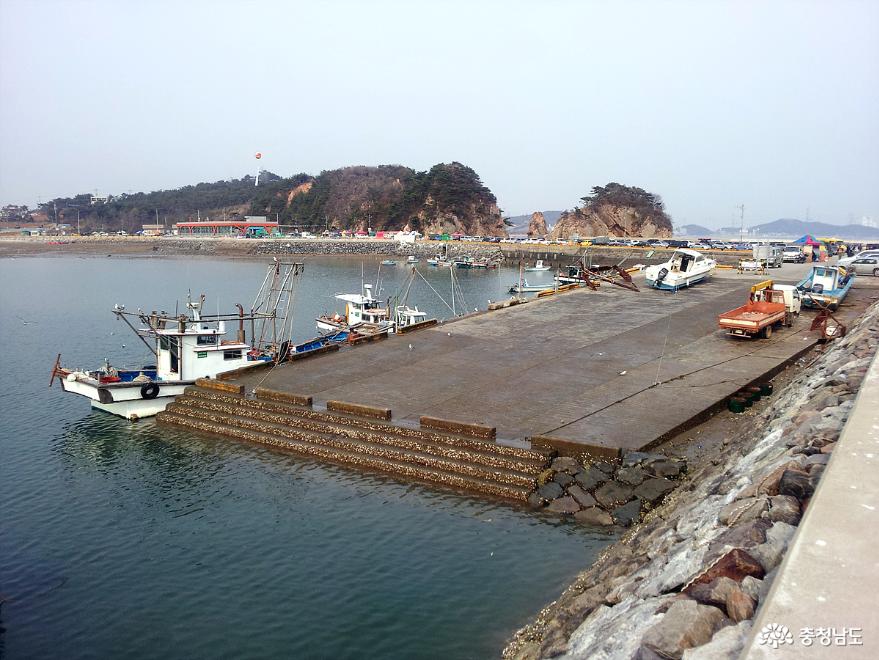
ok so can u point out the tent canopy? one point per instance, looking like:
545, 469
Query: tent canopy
807, 239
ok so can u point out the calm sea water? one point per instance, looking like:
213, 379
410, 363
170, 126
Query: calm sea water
131, 540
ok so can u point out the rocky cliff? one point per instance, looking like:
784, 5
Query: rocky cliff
537, 226
616, 210
447, 198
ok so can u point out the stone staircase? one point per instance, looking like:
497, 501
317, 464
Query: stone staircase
438, 457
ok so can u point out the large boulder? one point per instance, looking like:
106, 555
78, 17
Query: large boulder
564, 505
594, 516
612, 494
653, 490
686, 624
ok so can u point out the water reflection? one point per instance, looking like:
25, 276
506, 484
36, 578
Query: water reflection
142, 541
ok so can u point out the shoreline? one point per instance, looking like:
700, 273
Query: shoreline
556, 256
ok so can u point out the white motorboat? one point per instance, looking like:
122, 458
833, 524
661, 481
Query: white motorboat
538, 267
411, 259
187, 347
685, 268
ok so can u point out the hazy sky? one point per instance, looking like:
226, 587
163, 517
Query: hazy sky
710, 104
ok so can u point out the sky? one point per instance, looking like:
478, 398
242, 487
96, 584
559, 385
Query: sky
774, 105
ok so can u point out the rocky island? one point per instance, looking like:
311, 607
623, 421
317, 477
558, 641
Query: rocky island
616, 210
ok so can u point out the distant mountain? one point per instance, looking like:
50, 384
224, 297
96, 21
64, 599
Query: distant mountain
520, 222
796, 228
693, 230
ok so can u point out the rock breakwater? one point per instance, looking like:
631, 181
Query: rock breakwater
604, 493
686, 582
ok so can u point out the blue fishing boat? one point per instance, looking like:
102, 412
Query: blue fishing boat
826, 286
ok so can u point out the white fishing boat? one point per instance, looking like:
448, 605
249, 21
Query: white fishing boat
524, 287
406, 317
363, 313
411, 259
685, 268
389, 262
538, 267
187, 347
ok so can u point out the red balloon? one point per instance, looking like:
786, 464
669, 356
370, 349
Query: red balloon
258, 155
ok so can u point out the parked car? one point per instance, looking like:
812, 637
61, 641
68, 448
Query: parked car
865, 266
866, 254
793, 254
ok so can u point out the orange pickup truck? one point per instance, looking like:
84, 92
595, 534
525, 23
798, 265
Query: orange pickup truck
758, 317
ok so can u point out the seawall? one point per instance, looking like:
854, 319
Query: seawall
556, 256
689, 580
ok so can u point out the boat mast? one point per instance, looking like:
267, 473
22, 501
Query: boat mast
119, 312
452, 275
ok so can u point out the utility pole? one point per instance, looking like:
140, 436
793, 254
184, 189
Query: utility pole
742, 209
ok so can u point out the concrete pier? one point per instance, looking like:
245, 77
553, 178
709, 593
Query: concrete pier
607, 370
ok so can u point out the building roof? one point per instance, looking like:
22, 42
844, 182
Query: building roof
228, 223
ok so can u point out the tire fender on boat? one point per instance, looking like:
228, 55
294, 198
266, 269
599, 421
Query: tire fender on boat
149, 391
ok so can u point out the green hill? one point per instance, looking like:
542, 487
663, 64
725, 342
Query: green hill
448, 197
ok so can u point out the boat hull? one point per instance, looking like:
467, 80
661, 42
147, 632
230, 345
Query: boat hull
135, 410
126, 399
830, 298
674, 285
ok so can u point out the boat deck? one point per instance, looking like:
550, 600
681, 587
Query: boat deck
581, 367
